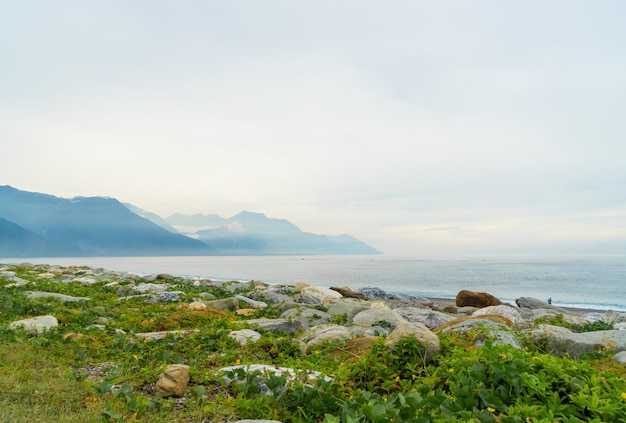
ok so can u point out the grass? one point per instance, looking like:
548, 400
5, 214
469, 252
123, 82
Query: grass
36, 385
76, 374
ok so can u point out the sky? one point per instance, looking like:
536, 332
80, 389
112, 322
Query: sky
423, 128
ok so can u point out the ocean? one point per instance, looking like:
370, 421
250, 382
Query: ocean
584, 282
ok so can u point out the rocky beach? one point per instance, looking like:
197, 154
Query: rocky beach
80, 304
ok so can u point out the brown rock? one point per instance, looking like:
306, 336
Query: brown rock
476, 299
173, 381
349, 293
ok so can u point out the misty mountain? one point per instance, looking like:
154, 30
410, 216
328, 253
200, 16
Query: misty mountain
37, 225
250, 233
86, 226
16, 241
153, 217
195, 220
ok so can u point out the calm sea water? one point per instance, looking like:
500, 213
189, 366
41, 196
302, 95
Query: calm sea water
588, 282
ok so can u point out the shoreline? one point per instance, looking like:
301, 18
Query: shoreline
437, 300
442, 302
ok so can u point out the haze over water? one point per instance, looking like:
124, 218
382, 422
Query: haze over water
586, 282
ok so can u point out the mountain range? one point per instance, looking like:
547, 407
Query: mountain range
43, 225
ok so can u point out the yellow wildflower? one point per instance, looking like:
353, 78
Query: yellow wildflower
624, 396
491, 410
397, 378
238, 362
451, 370
503, 356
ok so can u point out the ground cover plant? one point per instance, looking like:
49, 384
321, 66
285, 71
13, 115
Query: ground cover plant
81, 372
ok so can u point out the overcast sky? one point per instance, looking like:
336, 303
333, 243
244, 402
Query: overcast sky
420, 127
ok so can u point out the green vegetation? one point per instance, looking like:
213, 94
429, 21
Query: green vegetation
73, 373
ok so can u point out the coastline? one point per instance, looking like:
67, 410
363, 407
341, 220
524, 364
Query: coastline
578, 311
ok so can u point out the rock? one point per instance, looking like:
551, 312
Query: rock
355, 348
424, 336
307, 299
168, 296
173, 381
325, 295
207, 296
244, 336
534, 303
252, 303
319, 334
60, 297
500, 337
371, 293
349, 293
151, 287
275, 297
507, 311
306, 316
430, 318
544, 314
278, 325
197, 305
620, 357
164, 277
257, 421
474, 323
563, 341
230, 304
350, 309
152, 336
37, 324
232, 374
476, 299
85, 280
372, 316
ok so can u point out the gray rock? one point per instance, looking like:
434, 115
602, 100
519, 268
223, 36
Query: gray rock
60, 297
151, 287
473, 324
307, 299
373, 293
85, 280
275, 297
153, 336
424, 336
278, 325
318, 334
372, 316
562, 341
325, 295
265, 369
500, 337
306, 316
252, 303
553, 314
37, 324
244, 336
207, 296
432, 319
620, 357
507, 311
350, 309
169, 296
230, 304
257, 421
534, 303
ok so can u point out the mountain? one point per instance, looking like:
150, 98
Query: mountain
153, 217
250, 233
85, 226
37, 225
16, 241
